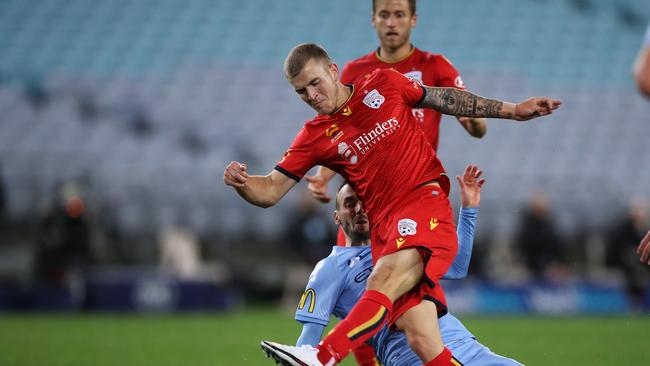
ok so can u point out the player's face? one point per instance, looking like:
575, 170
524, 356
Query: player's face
351, 215
393, 22
316, 86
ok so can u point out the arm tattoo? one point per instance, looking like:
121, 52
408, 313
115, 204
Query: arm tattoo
461, 103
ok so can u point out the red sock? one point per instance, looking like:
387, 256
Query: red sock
365, 355
365, 319
443, 359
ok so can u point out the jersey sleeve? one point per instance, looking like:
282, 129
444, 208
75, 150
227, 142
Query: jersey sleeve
646, 40
465, 230
448, 76
412, 91
320, 296
298, 159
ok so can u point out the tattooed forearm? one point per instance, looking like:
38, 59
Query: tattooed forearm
457, 102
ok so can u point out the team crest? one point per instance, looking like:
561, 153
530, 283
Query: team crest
373, 99
407, 227
348, 153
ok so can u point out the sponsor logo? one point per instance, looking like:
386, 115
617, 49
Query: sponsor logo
407, 227
334, 133
459, 82
433, 223
400, 242
363, 275
367, 140
373, 99
308, 294
348, 153
347, 111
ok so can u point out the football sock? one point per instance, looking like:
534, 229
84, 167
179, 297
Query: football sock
443, 359
365, 355
364, 320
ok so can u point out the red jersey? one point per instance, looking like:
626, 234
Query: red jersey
373, 141
427, 68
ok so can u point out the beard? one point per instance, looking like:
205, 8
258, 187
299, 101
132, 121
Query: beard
354, 235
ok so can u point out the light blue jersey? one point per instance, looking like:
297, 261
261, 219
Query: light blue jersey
338, 281
335, 285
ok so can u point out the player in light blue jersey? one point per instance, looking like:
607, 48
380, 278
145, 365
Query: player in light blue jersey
338, 281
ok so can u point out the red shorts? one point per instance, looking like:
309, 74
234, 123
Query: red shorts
424, 221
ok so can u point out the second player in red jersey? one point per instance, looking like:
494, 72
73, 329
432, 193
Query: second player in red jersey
425, 67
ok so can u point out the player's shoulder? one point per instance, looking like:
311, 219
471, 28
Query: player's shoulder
348, 258
379, 75
326, 267
313, 128
358, 68
426, 57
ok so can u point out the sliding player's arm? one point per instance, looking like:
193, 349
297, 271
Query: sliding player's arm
311, 334
470, 197
318, 301
458, 102
260, 190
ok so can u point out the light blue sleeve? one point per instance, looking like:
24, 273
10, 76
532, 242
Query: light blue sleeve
465, 228
311, 333
646, 40
321, 293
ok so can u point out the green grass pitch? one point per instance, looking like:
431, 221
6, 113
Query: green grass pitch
232, 339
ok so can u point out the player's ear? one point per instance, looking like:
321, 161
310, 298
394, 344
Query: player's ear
372, 20
336, 217
334, 69
414, 20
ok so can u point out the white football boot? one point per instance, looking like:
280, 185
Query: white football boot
293, 356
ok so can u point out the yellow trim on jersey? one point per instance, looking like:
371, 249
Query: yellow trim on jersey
303, 300
394, 62
367, 324
346, 101
455, 362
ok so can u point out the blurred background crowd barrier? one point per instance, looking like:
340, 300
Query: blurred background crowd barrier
118, 117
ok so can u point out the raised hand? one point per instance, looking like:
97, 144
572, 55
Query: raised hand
470, 186
535, 107
318, 187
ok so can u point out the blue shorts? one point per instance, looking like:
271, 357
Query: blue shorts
472, 353
393, 350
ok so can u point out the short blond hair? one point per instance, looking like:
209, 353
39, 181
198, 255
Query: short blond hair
300, 55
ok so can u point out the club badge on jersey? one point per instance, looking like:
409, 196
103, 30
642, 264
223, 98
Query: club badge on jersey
374, 100
407, 227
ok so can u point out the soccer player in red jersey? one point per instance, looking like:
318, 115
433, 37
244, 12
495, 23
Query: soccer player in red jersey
393, 20
366, 133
